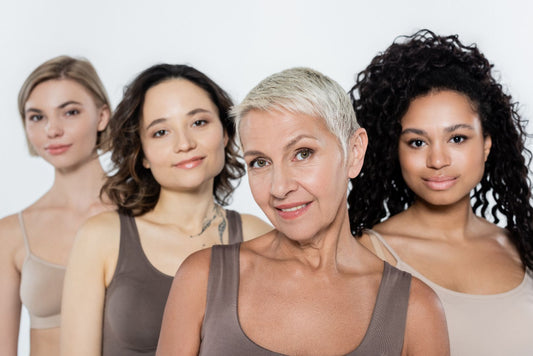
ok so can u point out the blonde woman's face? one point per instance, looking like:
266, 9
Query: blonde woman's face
62, 121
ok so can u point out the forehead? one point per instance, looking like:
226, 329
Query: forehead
55, 92
279, 126
441, 108
180, 94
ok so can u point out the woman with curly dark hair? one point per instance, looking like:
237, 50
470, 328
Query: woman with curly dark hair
175, 159
446, 162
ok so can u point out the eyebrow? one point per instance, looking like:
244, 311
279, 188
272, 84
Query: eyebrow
447, 129
65, 104
155, 122
291, 143
190, 113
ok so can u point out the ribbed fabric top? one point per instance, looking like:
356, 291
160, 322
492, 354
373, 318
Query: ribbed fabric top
482, 325
136, 297
222, 334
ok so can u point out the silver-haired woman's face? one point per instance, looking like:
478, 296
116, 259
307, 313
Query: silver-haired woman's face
297, 170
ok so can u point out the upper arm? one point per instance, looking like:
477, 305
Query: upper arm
85, 286
426, 332
10, 304
185, 308
253, 227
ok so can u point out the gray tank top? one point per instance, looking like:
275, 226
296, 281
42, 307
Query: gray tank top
136, 297
223, 336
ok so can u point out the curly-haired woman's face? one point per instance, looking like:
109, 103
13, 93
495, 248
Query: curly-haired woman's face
62, 121
182, 137
442, 150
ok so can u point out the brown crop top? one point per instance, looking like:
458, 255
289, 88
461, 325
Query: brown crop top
41, 287
136, 297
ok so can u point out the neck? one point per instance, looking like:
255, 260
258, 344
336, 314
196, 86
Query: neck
78, 187
189, 210
451, 221
330, 247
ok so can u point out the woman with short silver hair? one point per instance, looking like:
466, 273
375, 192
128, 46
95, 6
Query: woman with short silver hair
308, 287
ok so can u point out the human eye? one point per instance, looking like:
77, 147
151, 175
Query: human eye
72, 112
416, 143
35, 118
303, 154
458, 139
160, 133
258, 163
199, 122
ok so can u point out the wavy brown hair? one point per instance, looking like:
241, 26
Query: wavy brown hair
414, 66
132, 187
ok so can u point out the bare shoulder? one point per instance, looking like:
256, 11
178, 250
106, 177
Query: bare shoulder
369, 240
195, 265
10, 232
426, 328
423, 297
100, 232
252, 226
11, 239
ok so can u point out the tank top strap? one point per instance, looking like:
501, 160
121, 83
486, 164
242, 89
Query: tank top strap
234, 226
222, 289
387, 327
130, 253
24, 235
378, 241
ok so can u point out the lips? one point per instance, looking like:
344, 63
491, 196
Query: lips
440, 182
292, 211
190, 162
57, 149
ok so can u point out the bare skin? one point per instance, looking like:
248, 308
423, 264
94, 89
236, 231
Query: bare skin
442, 153
455, 248
67, 114
72, 199
314, 284
179, 122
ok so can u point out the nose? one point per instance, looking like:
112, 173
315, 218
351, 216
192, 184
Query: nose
438, 157
54, 127
282, 182
184, 141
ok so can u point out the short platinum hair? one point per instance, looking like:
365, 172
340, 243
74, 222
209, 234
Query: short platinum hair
305, 91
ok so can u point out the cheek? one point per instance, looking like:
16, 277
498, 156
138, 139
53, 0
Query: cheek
259, 187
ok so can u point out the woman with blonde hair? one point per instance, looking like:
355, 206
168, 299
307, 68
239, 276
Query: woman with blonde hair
65, 110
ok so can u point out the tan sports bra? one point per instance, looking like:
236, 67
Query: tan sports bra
41, 286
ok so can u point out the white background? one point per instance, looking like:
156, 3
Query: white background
237, 43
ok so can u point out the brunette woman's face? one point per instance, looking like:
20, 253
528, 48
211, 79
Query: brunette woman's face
62, 121
182, 136
442, 149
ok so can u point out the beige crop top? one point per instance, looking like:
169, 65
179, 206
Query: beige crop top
480, 325
41, 286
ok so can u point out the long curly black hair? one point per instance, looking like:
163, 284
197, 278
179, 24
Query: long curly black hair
132, 187
414, 66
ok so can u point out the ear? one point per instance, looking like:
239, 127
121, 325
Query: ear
487, 146
103, 120
146, 163
356, 152
226, 138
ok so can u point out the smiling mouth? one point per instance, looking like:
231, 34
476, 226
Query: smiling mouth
294, 208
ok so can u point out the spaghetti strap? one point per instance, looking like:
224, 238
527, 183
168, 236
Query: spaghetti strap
377, 247
25, 237
374, 236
